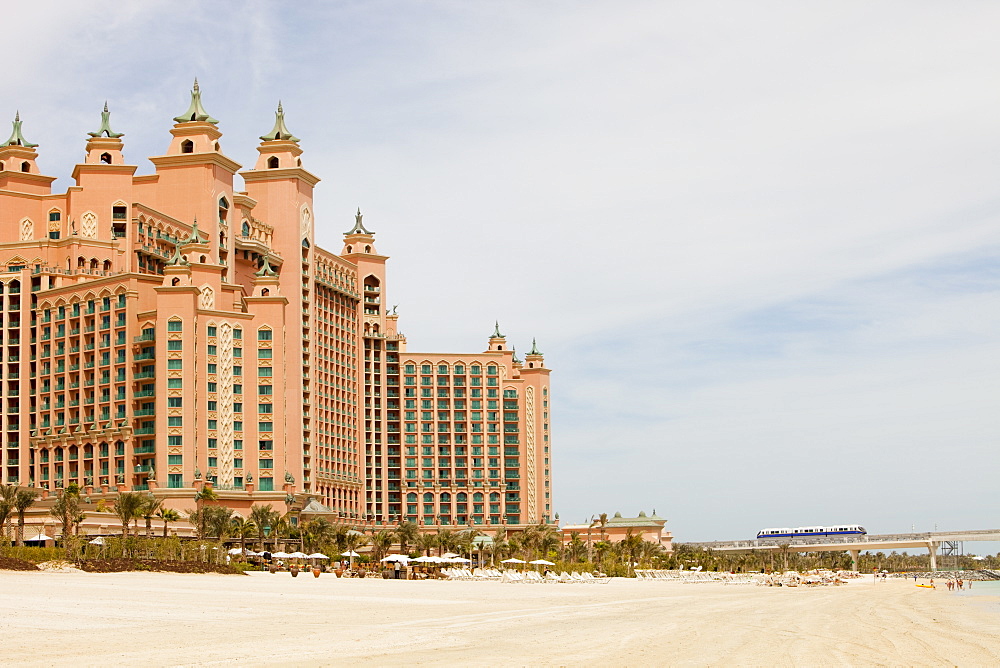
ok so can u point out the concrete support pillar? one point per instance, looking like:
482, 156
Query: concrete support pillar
855, 554
933, 548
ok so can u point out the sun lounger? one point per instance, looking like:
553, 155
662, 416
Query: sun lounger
589, 577
512, 576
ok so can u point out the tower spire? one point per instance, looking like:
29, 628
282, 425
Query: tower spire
279, 131
195, 236
16, 138
358, 227
534, 348
105, 128
496, 331
195, 111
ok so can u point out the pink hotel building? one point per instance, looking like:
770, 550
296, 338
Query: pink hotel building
165, 332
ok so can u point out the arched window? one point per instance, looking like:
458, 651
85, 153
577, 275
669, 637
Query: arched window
411, 498
428, 497
187, 146
106, 158
107, 265
477, 497
272, 162
245, 229
368, 249
175, 281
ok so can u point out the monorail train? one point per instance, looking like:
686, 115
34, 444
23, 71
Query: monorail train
812, 532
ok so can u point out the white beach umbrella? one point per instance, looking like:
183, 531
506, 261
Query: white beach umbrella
97, 541
318, 555
541, 562
513, 560
351, 553
40, 536
401, 558
450, 555
236, 550
280, 555
298, 555
428, 560
460, 560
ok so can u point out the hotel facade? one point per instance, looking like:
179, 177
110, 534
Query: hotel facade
172, 331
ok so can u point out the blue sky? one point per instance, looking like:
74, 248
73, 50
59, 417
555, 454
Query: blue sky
758, 242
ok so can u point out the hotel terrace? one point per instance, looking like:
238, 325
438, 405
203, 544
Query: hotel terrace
171, 331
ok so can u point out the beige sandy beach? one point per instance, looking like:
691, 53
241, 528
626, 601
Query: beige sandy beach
161, 619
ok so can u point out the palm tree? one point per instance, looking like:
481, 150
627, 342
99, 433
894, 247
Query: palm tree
263, 517
7, 494
218, 521
426, 542
381, 542
206, 493
315, 534
150, 506
280, 525
354, 540
24, 499
549, 542
65, 509
167, 515
128, 507
243, 528
407, 533
445, 539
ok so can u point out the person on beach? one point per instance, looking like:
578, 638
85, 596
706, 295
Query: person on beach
397, 568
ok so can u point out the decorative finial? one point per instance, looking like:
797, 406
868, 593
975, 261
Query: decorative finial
177, 259
16, 138
279, 131
265, 267
195, 236
516, 360
496, 331
358, 228
105, 128
534, 348
195, 111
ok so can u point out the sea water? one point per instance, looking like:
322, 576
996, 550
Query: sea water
984, 594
